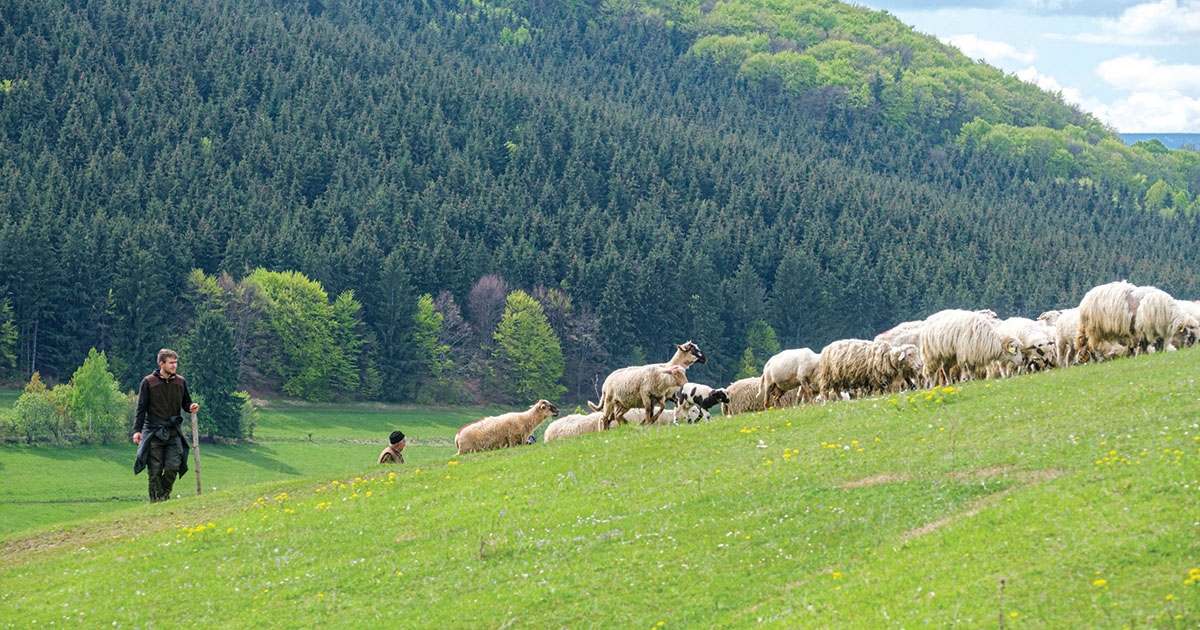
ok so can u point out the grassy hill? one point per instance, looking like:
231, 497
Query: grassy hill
1063, 499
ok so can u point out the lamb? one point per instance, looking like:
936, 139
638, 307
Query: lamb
955, 343
694, 400
863, 367
788, 370
572, 425
1106, 315
645, 386
744, 396
1160, 321
503, 431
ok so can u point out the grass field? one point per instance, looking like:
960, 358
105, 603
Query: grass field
49, 485
1065, 499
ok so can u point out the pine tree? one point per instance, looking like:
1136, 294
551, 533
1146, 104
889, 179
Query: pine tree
213, 374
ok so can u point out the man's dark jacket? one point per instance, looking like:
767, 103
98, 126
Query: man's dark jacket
159, 413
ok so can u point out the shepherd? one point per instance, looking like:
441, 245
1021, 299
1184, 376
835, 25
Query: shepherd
163, 451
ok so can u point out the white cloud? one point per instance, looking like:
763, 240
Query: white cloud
1150, 108
1160, 23
1165, 97
994, 52
1154, 112
1136, 72
1050, 84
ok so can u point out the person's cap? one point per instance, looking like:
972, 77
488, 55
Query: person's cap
396, 437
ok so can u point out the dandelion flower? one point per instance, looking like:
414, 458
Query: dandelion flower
1100, 582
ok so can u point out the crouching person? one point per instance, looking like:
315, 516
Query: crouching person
158, 426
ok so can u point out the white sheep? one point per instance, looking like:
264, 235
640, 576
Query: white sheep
1192, 308
1036, 339
645, 386
686, 354
572, 425
902, 333
662, 416
788, 370
1066, 330
956, 344
862, 367
1050, 318
694, 400
1106, 315
1160, 321
744, 396
503, 431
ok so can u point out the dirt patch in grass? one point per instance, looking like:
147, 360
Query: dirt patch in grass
877, 480
1025, 479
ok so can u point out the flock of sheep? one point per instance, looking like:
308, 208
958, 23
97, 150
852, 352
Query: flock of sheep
1113, 320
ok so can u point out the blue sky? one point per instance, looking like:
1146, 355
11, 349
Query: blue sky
1134, 64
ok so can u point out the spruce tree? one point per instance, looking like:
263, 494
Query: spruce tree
212, 373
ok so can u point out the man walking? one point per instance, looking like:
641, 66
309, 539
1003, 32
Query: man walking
163, 450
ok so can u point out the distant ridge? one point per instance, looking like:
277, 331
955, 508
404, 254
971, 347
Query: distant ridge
1171, 140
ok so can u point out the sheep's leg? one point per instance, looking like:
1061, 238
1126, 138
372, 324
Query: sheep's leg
652, 417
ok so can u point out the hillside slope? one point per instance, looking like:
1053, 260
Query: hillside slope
1058, 499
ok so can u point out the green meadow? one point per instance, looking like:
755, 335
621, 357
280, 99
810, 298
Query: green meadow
1064, 499
293, 440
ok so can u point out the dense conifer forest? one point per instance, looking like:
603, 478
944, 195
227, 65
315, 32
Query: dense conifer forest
461, 201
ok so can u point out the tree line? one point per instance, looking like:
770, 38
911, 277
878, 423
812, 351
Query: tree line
337, 177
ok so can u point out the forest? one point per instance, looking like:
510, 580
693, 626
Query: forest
470, 201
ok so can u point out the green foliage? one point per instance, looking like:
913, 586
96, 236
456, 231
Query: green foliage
34, 413
435, 356
96, 401
304, 329
734, 49
8, 340
761, 344
518, 37
64, 426
528, 355
213, 373
1079, 154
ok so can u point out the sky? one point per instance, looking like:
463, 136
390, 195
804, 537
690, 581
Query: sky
1134, 64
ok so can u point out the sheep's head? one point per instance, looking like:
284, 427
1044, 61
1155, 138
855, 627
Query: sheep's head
908, 356
545, 407
1012, 351
693, 350
718, 396
678, 372
1049, 317
1188, 334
